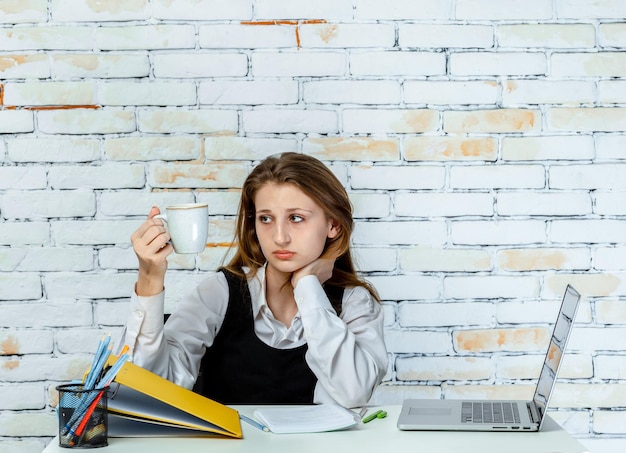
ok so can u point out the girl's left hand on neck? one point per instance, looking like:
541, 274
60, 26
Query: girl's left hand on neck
321, 267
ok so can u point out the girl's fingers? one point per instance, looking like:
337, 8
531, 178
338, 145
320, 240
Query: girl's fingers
148, 231
144, 227
154, 211
153, 240
141, 231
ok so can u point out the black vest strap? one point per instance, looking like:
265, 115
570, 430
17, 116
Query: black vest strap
240, 369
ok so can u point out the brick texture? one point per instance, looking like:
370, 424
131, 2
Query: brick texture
481, 143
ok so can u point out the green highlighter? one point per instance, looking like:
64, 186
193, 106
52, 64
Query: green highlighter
377, 414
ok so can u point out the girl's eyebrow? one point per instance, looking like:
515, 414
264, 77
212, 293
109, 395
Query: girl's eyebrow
290, 210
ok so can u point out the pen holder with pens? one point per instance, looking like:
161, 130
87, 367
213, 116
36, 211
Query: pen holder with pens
82, 415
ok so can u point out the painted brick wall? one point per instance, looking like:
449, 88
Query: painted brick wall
482, 144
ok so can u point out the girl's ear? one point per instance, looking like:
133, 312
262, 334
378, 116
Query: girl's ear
334, 229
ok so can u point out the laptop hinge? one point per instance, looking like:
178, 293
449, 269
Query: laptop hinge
532, 414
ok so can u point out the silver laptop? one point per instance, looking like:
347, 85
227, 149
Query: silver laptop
509, 415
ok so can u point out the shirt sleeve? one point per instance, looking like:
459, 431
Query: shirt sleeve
346, 353
174, 350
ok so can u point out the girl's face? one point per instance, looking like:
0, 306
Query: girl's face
291, 228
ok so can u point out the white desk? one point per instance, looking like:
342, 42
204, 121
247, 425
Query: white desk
379, 435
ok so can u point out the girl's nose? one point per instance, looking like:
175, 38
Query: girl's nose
281, 233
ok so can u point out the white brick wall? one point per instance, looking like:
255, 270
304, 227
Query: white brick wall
482, 144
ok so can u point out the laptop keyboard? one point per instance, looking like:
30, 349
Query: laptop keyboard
484, 412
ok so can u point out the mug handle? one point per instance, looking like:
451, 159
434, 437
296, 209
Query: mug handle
162, 217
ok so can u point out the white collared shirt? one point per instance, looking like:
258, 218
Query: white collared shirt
346, 353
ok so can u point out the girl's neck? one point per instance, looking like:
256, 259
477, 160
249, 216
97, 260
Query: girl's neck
279, 296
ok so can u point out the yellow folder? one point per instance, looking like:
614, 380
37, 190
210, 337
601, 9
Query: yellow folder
143, 404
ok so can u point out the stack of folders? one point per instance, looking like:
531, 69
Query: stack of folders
98, 377
143, 404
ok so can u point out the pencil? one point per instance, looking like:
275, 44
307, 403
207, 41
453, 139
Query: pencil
254, 423
96, 357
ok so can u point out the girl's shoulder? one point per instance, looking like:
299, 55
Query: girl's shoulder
358, 301
356, 292
212, 282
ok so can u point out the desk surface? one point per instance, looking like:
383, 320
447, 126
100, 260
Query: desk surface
380, 435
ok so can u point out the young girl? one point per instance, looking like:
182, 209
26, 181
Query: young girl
287, 321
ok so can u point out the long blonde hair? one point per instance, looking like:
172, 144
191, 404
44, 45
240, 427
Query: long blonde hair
313, 178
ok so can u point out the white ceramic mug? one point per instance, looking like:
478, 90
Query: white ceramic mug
187, 225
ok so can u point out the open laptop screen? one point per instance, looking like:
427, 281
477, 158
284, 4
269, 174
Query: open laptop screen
558, 342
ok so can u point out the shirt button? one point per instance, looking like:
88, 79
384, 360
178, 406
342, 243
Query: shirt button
139, 314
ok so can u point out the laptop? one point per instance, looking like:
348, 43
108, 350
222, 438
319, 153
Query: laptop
487, 415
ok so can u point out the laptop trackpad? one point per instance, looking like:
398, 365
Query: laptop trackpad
430, 411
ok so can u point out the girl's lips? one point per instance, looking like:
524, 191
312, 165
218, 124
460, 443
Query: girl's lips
283, 254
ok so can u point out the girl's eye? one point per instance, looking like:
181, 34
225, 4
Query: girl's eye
265, 219
296, 218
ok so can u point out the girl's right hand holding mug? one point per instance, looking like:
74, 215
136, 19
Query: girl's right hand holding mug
150, 243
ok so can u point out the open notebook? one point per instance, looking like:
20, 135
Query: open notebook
305, 419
